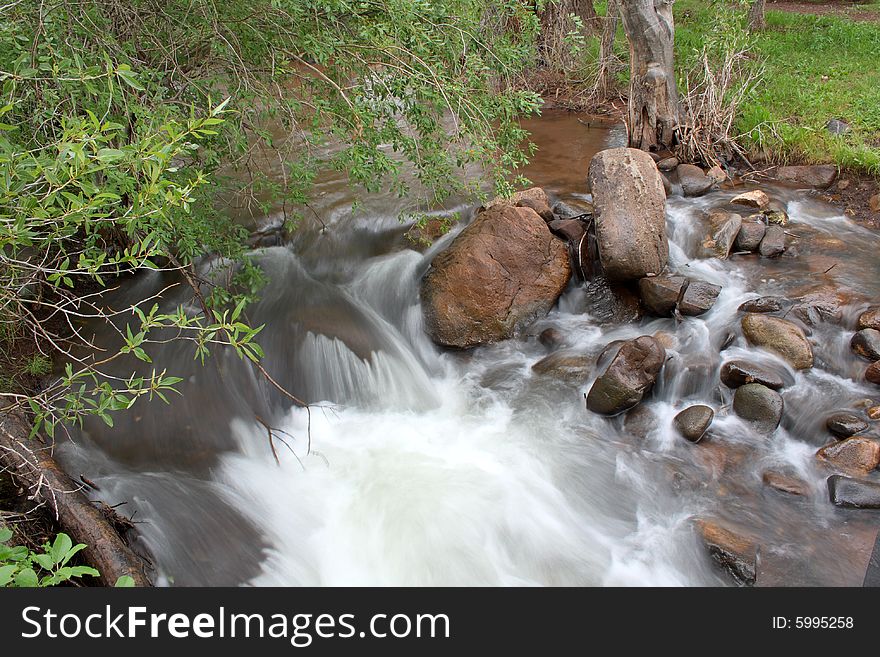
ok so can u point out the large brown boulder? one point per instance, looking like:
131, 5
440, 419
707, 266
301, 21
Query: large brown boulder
630, 375
629, 206
500, 274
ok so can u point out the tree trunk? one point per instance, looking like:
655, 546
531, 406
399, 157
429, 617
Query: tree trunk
653, 97
756, 16
29, 462
606, 49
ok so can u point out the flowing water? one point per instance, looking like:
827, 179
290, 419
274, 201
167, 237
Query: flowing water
417, 466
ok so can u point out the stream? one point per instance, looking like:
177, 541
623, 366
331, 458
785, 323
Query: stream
417, 466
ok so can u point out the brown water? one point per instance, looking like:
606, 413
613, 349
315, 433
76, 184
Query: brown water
425, 467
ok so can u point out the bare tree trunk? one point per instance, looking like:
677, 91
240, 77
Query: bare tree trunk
756, 16
653, 97
606, 49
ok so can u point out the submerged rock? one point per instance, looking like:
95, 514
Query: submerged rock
731, 548
630, 375
565, 365
693, 422
551, 337
785, 483
866, 343
854, 455
759, 405
630, 213
844, 425
753, 199
502, 272
736, 373
853, 493
640, 421
780, 336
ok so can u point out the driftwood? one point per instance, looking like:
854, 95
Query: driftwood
30, 461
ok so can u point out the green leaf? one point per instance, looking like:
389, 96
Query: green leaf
5, 534
125, 582
60, 547
27, 578
6, 574
45, 561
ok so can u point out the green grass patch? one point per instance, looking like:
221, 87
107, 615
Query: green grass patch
816, 68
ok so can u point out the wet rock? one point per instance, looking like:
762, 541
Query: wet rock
565, 365
872, 374
858, 455
693, 181
777, 217
551, 337
693, 422
698, 298
630, 375
844, 425
759, 405
504, 271
571, 230
750, 235
667, 184
822, 304
853, 493
716, 174
630, 213
540, 207
667, 340
571, 209
611, 303
723, 229
608, 353
660, 294
753, 199
731, 548
780, 336
870, 319
817, 176
866, 343
785, 483
773, 243
640, 421
873, 412
667, 164
736, 373
532, 194
765, 305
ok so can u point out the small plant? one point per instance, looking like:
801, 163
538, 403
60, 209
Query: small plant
24, 568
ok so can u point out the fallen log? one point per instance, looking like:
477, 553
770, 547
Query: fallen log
31, 463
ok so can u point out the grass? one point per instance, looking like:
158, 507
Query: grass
816, 68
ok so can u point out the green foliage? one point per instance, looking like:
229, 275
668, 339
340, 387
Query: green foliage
815, 68
24, 568
122, 124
